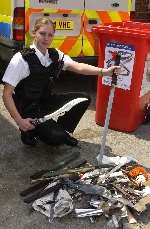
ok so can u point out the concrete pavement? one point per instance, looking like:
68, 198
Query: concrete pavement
18, 162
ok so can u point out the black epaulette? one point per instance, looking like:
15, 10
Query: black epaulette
26, 52
53, 55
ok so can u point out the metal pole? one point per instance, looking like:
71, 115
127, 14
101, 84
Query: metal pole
107, 119
108, 113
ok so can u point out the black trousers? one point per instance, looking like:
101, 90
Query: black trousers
56, 132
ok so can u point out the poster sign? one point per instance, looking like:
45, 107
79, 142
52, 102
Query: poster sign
127, 53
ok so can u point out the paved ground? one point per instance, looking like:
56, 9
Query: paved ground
17, 163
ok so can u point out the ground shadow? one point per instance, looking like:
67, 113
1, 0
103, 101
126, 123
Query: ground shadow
143, 132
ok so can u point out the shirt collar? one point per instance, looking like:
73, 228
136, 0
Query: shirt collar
38, 53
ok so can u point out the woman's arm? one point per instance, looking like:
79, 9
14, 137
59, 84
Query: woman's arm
24, 124
86, 69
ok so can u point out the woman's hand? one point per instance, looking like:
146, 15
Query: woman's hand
109, 71
25, 124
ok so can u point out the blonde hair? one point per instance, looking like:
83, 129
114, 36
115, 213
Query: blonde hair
43, 21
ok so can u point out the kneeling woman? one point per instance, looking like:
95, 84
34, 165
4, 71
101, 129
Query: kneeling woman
28, 86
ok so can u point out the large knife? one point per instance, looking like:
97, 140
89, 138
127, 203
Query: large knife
60, 112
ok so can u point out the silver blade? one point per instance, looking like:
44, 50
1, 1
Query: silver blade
61, 111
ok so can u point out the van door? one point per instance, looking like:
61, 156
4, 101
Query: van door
67, 16
100, 12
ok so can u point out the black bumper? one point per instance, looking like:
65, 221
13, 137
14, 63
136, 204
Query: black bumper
93, 60
8, 48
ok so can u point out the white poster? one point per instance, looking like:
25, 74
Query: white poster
127, 53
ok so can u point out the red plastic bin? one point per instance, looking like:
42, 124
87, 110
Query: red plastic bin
129, 105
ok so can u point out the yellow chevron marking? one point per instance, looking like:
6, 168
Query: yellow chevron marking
88, 50
49, 10
5, 18
5, 7
91, 14
56, 43
77, 12
115, 17
129, 5
28, 39
27, 4
76, 49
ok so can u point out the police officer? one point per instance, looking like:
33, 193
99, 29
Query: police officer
28, 86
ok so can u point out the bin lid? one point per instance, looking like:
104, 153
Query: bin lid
129, 28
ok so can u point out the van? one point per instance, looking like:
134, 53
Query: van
74, 20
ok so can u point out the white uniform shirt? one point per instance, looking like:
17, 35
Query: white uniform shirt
18, 68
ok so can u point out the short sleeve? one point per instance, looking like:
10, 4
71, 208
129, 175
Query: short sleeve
16, 71
67, 59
